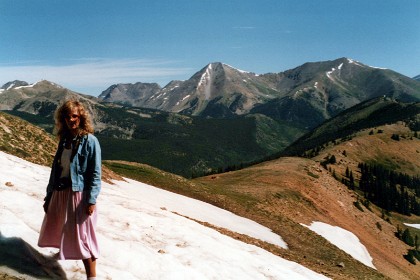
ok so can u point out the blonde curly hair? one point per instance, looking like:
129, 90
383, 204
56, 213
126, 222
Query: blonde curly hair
62, 112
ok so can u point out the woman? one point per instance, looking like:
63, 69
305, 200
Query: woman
74, 185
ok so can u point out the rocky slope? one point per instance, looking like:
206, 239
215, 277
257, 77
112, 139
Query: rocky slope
129, 94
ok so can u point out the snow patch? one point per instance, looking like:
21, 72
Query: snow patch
413, 225
141, 236
359, 64
352, 61
10, 86
28, 86
239, 70
330, 72
187, 96
343, 239
340, 66
205, 81
316, 85
378, 68
206, 76
34, 84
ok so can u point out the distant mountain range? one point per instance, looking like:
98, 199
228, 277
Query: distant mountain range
308, 94
181, 144
220, 117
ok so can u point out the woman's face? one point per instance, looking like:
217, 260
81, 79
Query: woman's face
73, 120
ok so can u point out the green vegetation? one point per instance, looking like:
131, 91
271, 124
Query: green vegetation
371, 113
46, 123
328, 160
148, 175
188, 146
395, 137
407, 238
358, 205
188, 150
390, 190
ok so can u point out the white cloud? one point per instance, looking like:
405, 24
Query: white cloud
95, 72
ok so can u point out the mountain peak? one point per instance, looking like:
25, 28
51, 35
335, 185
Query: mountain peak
129, 93
13, 84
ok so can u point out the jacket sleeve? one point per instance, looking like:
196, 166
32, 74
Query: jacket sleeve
94, 167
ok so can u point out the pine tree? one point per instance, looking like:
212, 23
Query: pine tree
407, 238
351, 180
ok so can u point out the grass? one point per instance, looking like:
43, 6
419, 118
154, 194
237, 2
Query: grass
178, 184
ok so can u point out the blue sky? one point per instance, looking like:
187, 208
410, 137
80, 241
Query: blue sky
88, 45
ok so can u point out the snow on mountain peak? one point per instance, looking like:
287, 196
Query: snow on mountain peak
352, 61
206, 75
205, 81
28, 86
239, 70
361, 65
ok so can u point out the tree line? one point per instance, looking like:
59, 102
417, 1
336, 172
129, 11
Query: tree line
390, 190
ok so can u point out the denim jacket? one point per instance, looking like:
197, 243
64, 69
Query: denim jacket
85, 168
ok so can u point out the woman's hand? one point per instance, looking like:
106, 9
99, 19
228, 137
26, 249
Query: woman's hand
91, 208
45, 206
47, 202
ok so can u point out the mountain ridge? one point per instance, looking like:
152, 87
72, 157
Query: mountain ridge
322, 89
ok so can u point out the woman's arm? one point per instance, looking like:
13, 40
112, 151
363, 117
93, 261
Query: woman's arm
95, 169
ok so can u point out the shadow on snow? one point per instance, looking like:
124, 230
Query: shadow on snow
18, 255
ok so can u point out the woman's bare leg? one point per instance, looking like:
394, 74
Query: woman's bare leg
90, 266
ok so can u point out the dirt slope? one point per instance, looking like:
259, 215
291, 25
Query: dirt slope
286, 192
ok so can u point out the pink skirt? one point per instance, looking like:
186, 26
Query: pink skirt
68, 227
